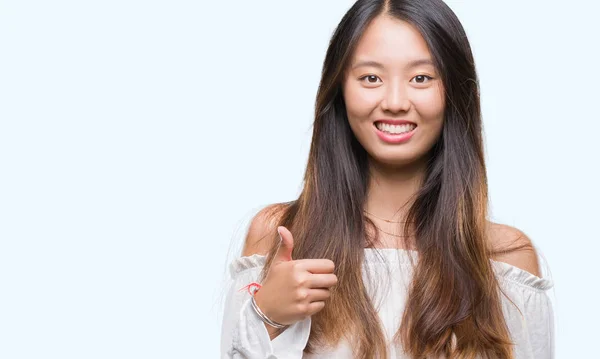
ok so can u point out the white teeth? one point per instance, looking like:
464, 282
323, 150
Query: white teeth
395, 129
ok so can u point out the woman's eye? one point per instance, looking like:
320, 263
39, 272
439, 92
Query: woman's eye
372, 79
420, 79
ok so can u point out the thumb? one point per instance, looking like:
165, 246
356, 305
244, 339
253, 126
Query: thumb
284, 253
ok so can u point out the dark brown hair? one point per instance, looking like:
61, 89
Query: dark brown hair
454, 292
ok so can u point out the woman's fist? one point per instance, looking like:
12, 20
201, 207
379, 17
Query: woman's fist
294, 289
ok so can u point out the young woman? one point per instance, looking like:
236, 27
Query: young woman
388, 251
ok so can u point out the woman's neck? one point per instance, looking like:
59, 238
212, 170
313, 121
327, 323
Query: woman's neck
391, 190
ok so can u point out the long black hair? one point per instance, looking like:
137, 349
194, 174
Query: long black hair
453, 307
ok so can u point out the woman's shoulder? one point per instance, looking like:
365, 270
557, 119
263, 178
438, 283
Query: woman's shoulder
511, 245
263, 229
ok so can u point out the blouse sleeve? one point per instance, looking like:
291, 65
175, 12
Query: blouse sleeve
533, 331
243, 334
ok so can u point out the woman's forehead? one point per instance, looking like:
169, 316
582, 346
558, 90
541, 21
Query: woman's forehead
391, 42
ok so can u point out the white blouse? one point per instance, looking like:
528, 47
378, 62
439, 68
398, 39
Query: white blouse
244, 335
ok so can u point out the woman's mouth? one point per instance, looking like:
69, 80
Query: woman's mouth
394, 133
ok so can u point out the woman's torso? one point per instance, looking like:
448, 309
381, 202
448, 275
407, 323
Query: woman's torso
387, 274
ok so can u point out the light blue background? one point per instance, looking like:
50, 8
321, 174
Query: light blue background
137, 138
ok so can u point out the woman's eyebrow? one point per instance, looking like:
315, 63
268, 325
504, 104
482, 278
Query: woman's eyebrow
378, 65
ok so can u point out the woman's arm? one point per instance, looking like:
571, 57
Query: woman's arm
244, 334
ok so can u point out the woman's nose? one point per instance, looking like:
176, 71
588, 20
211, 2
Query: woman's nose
396, 98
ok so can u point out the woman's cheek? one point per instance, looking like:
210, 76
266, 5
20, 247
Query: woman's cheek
361, 102
429, 104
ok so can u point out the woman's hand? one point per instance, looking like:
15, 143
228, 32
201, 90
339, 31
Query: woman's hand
294, 289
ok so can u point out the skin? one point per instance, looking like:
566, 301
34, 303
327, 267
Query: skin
394, 90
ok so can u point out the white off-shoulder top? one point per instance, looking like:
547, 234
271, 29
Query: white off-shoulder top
244, 335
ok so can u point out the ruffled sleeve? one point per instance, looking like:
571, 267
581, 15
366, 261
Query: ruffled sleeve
532, 329
243, 333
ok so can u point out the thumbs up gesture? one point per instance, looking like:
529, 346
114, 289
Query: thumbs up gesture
294, 289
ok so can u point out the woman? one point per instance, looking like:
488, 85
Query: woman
388, 251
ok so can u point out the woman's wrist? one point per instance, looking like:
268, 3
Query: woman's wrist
272, 330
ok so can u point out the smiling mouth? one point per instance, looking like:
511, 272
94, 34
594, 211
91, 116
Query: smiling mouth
395, 129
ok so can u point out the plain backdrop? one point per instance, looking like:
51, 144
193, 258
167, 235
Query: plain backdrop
137, 139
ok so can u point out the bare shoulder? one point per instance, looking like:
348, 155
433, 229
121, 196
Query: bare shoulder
262, 230
512, 246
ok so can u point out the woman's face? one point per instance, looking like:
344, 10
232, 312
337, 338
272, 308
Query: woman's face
391, 77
